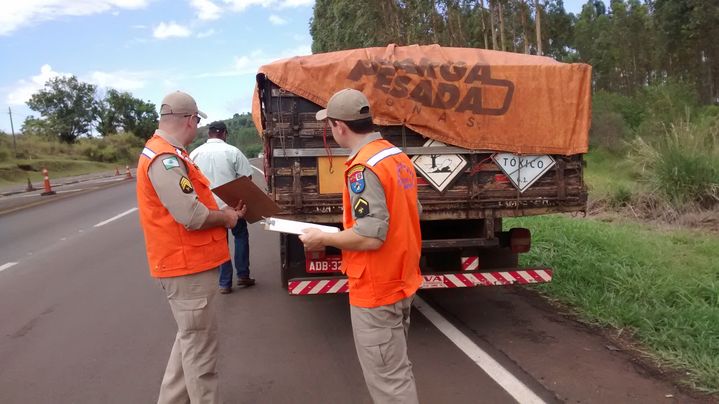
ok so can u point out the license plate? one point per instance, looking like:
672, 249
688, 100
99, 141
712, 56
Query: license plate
323, 265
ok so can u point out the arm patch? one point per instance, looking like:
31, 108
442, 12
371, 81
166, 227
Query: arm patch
186, 185
356, 179
361, 208
170, 162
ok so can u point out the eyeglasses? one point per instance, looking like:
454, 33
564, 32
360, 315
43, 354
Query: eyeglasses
197, 118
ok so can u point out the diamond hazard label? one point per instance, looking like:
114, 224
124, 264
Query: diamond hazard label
523, 171
439, 169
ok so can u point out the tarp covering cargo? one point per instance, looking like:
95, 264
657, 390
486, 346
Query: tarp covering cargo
473, 98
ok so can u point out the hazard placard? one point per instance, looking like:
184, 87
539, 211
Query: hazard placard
523, 171
439, 169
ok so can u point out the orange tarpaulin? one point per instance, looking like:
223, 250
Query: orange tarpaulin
473, 98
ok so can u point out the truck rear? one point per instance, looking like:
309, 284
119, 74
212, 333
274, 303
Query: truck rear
491, 135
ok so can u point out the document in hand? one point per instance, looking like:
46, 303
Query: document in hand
258, 203
294, 227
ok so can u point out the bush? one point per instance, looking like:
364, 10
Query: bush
252, 150
620, 197
5, 146
630, 109
120, 148
683, 164
665, 104
608, 130
33, 147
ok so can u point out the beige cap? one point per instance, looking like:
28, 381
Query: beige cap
179, 103
346, 105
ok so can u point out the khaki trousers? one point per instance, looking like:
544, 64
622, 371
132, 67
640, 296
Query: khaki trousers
191, 376
380, 335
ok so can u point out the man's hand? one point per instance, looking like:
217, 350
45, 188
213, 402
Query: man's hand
241, 208
231, 216
313, 239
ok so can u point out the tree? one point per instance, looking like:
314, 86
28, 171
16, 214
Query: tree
687, 32
120, 110
66, 106
538, 25
559, 31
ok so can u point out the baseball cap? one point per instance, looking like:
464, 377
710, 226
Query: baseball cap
346, 105
179, 103
218, 126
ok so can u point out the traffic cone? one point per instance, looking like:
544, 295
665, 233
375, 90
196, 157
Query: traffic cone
46, 183
128, 174
29, 185
117, 171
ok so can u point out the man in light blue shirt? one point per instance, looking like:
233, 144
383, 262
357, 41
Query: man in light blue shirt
222, 163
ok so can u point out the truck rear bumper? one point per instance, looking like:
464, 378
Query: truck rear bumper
509, 276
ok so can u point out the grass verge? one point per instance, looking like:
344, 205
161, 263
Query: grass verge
18, 171
610, 175
661, 286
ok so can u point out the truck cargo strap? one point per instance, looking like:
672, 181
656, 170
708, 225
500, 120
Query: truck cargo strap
327, 285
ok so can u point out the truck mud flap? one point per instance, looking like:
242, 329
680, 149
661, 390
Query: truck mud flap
505, 277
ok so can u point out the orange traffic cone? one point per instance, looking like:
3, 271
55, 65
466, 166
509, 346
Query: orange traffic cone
128, 174
117, 171
46, 183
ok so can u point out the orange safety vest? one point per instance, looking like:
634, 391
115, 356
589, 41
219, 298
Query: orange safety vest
390, 273
172, 250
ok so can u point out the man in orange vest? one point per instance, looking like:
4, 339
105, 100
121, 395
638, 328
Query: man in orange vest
186, 241
381, 246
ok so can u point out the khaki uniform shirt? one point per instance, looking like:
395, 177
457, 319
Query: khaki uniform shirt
165, 173
376, 223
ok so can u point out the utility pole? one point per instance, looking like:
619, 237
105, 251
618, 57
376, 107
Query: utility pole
12, 128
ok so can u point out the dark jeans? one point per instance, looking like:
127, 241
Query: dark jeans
242, 255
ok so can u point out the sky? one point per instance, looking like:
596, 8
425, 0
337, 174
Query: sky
208, 48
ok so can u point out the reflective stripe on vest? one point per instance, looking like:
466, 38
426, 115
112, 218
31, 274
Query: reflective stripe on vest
382, 155
148, 153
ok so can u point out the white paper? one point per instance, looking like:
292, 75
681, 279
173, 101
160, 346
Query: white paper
293, 226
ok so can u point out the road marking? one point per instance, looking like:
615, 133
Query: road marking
502, 376
261, 172
7, 265
115, 217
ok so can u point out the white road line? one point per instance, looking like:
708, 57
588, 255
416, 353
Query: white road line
502, 376
261, 172
7, 265
115, 217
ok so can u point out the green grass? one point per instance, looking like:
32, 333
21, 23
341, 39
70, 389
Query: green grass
11, 172
662, 286
610, 175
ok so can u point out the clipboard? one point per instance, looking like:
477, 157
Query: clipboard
294, 227
259, 204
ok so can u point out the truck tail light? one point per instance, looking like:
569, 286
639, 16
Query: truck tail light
520, 240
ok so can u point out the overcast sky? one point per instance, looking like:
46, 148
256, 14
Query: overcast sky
208, 48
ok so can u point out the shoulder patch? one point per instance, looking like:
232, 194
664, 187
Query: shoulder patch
186, 185
170, 162
361, 208
355, 168
356, 179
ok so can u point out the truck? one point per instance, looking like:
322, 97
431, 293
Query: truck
491, 135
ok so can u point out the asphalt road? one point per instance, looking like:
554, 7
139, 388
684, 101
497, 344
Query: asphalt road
81, 321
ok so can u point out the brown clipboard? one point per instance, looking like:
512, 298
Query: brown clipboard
258, 203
